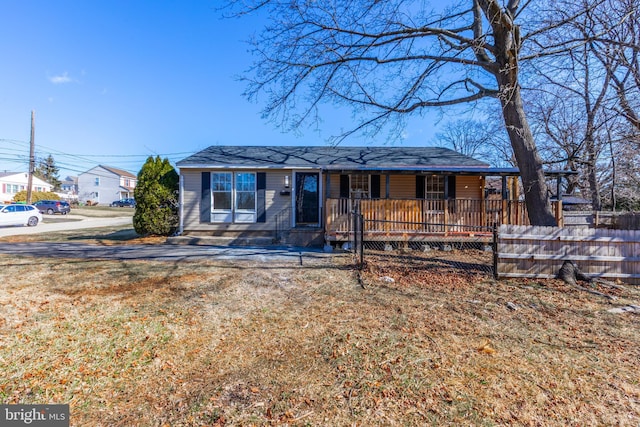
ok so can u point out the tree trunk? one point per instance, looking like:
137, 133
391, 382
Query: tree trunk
570, 273
526, 153
506, 34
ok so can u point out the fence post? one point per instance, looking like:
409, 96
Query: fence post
361, 241
495, 250
357, 225
353, 238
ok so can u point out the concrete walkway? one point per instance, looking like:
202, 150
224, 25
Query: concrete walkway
163, 252
160, 252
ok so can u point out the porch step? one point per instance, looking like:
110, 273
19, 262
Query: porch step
309, 237
220, 241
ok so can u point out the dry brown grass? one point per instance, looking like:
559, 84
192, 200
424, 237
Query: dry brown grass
150, 343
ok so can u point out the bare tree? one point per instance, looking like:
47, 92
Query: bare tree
478, 139
621, 180
389, 59
556, 124
585, 87
616, 43
572, 106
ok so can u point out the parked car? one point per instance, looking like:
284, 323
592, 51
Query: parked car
19, 215
124, 203
53, 206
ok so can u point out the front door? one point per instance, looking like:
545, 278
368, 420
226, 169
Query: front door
307, 198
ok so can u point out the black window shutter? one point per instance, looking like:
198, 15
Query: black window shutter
344, 186
205, 198
375, 186
420, 179
451, 187
261, 200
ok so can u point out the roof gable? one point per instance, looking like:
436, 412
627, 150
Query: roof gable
119, 172
330, 158
115, 171
22, 178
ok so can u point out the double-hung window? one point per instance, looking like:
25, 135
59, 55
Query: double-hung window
359, 187
233, 197
434, 187
222, 196
245, 203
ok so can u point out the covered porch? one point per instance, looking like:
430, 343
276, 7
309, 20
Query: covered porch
472, 202
390, 219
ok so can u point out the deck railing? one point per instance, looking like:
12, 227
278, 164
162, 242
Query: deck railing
437, 216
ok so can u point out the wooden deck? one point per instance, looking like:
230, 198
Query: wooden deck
424, 220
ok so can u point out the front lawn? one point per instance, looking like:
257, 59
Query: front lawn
219, 343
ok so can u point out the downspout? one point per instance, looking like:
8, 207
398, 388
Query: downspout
321, 196
181, 205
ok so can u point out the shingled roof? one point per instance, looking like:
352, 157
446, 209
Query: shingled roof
330, 158
119, 172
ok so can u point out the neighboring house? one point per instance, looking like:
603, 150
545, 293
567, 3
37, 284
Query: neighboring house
14, 182
104, 184
306, 194
69, 186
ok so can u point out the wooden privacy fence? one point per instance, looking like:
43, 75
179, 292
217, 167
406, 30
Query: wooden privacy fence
538, 252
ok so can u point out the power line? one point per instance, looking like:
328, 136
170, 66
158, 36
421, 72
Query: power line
15, 152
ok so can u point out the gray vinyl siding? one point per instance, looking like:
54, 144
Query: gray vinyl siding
274, 201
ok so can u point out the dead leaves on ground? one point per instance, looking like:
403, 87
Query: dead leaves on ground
140, 343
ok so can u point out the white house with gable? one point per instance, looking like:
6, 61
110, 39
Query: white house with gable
14, 182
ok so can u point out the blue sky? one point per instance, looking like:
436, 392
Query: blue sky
114, 81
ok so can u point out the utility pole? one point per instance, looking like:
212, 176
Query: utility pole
32, 157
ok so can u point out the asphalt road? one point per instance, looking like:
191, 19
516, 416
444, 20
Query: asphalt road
68, 222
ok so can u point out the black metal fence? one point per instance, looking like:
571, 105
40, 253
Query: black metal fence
443, 247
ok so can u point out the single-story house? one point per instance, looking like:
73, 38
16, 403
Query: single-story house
14, 182
304, 195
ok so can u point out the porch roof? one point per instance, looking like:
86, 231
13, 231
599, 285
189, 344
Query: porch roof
469, 171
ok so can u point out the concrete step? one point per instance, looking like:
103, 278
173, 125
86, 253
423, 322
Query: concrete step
220, 241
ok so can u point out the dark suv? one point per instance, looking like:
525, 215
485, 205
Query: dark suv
53, 206
124, 203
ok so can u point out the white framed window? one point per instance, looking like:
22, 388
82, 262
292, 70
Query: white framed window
233, 197
245, 197
359, 187
96, 182
221, 196
434, 187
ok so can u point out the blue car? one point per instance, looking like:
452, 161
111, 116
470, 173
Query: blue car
124, 203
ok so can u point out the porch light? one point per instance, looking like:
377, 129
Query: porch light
286, 181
